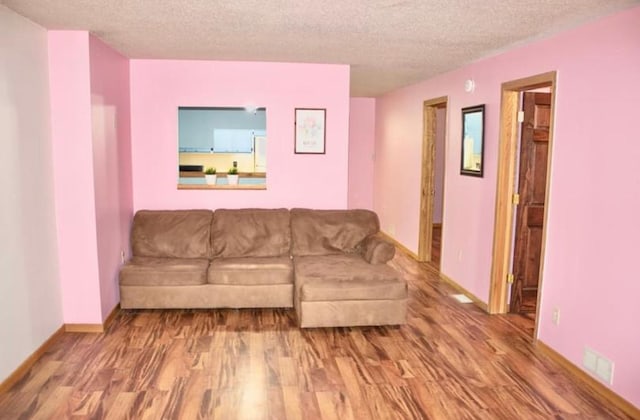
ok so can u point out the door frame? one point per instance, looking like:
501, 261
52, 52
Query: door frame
504, 210
427, 189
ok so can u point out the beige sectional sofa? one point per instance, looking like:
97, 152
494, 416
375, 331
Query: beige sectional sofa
328, 264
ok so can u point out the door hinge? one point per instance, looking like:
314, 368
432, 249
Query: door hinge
515, 199
520, 116
510, 278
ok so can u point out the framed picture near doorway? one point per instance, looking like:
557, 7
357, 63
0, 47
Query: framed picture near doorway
472, 156
310, 131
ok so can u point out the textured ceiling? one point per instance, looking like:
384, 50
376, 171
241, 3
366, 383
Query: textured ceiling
388, 43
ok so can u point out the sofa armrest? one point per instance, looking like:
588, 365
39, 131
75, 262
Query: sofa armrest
376, 250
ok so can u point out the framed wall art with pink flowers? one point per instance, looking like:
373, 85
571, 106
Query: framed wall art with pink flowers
310, 130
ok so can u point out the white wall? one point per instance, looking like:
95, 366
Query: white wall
30, 302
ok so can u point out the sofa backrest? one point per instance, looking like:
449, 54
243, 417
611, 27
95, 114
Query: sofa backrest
326, 232
250, 233
171, 233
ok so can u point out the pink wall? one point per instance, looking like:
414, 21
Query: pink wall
111, 164
159, 87
592, 234
73, 175
92, 170
362, 119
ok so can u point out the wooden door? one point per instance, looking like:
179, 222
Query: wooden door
532, 183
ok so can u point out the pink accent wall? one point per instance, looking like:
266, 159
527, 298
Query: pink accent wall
73, 175
362, 119
594, 199
159, 87
111, 164
92, 171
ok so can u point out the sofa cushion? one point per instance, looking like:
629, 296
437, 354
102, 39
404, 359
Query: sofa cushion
171, 233
377, 250
326, 232
149, 271
250, 233
251, 271
345, 277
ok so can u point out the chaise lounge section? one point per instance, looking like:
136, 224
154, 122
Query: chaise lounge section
341, 275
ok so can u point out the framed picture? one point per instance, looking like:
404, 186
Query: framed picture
471, 162
310, 130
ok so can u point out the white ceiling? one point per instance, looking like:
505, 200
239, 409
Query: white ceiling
388, 43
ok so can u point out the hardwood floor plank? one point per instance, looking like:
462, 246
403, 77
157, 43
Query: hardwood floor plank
55, 406
377, 404
287, 371
352, 385
393, 373
309, 405
253, 403
121, 406
38, 376
334, 405
150, 405
292, 403
86, 404
276, 404
226, 404
450, 361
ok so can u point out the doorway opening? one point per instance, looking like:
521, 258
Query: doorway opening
531, 194
432, 185
523, 181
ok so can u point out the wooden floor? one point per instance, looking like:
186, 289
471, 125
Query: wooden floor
451, 361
